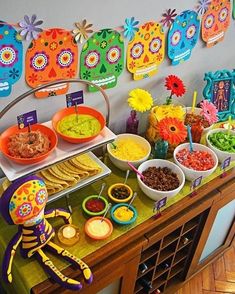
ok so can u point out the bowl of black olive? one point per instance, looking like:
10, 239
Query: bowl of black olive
120, 192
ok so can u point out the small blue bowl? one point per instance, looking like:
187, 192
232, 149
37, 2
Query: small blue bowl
132, 220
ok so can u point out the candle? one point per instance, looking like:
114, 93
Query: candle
68, 234
194, 101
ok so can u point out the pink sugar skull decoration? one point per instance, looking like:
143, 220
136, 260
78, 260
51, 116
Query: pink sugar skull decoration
146, 51
215, 22
52, 57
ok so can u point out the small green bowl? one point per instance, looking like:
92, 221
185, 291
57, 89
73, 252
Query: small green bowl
117, 221
91, 213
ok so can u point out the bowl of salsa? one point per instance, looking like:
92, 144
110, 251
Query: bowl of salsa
94, 205
78, 128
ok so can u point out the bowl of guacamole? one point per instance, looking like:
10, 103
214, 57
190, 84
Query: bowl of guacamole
78, 128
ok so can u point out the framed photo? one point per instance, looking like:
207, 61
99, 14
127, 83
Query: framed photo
220, 91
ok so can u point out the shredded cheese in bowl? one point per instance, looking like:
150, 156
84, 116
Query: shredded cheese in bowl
128, 149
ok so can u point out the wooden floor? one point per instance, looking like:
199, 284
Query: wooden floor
217, 278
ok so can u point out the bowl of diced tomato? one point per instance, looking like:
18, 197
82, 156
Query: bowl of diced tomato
202, 161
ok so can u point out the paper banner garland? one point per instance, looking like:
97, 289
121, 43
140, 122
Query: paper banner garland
102, 59
53, 56
130, 28
215, 22
183, 36
146, 51
11, 51
202, 6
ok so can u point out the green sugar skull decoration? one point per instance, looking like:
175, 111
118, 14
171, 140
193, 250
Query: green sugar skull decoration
102, 59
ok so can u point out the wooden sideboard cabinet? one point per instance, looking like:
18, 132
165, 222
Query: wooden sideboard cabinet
164, 253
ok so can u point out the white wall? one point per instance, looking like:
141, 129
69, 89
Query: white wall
109, 13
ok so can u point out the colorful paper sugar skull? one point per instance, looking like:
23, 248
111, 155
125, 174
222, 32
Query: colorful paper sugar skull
102, 59
52, 57
183, 36
146, 51
23, 203
215, 22
11, 51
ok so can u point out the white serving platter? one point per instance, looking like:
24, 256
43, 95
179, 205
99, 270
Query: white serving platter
63, 151
104, 173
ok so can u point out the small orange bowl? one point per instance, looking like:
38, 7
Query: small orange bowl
98, 230
81, 110
4, 140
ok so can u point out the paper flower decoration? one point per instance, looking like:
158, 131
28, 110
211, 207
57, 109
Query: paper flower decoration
130, 28
82, 31
140, 100
202, 6
172, 130
168, 17
209, 111
29, 27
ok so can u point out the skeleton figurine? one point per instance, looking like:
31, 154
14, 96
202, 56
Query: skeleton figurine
22, 204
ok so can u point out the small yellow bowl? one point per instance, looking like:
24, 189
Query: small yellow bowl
120, 189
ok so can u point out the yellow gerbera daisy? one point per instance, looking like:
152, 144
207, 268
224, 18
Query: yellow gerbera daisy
140, 100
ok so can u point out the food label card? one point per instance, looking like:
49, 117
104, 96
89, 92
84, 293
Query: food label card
26, 119
226, 163
74, 98
158, 205
196, 183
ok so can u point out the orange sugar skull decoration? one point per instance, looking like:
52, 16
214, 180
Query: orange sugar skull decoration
146, 51
215, 22
52, 57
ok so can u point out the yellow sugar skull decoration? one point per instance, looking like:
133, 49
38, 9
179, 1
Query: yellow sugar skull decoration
146, 51
215, 22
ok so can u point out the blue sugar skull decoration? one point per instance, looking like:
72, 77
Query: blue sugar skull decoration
183, 36
11, 51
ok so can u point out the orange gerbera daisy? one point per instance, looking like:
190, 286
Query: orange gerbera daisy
172, 130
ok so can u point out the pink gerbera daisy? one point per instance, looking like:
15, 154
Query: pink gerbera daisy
209, 111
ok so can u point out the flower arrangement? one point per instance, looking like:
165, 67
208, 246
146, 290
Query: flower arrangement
176, 86
172, 130
209, 111
139, 101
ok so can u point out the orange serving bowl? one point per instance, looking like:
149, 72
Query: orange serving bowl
4, 139
81, 110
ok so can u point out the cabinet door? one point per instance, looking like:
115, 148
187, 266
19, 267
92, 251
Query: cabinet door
218, 232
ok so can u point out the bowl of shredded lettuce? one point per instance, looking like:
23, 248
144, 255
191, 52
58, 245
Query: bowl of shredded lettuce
222, 142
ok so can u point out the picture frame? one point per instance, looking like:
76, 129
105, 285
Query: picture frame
220, 91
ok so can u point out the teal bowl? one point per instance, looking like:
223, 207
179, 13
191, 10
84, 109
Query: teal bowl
119, 222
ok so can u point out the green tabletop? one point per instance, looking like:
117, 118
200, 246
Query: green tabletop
28, 272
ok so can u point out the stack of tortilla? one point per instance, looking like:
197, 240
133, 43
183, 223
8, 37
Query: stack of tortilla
66, 174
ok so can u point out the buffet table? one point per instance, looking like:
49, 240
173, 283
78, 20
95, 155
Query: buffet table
28, 274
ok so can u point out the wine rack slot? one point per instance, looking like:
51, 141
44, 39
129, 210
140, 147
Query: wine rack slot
164, 263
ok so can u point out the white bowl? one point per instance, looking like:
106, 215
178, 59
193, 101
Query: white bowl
222, 155
191, 174
197, 111
122, 164
156, 194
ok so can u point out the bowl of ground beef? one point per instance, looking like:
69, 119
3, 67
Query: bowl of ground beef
162, 178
